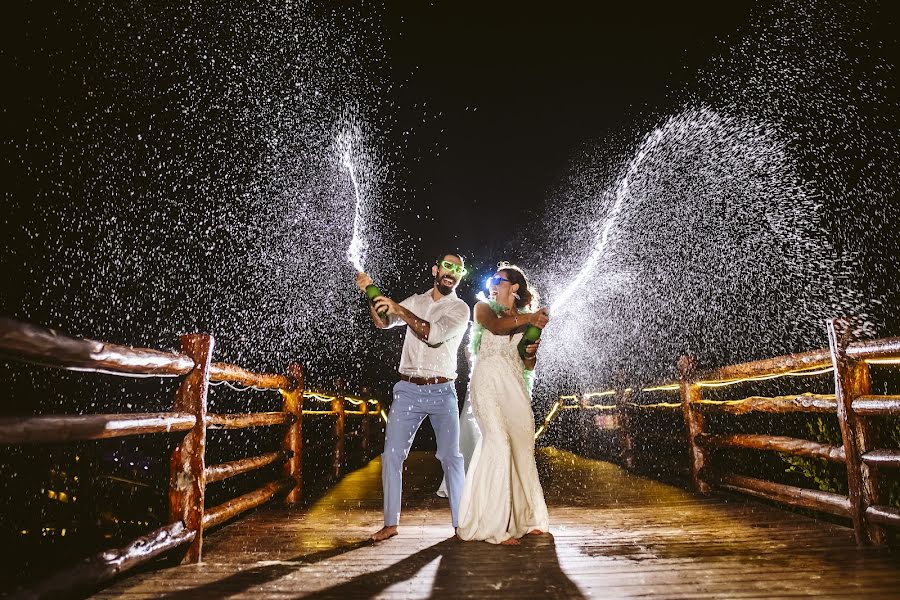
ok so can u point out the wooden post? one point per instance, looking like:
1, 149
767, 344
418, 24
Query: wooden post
187, 482
694, 421
851, 379
626, 442
366, 428
337, 406
293, 436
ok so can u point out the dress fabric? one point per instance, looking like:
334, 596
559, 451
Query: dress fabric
502, 496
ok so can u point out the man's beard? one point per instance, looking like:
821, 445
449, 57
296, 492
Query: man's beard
441, 287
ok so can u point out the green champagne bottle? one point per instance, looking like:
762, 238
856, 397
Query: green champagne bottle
531, 335
372, 292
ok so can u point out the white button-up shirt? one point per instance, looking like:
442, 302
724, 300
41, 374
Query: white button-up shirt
449, 319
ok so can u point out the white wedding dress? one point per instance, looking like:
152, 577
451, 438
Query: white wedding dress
502, 497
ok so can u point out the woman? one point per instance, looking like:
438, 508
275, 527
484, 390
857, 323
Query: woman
502, 498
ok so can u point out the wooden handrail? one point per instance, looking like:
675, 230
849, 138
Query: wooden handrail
68, 428
43, 346
244, 465
788, 363
189, 474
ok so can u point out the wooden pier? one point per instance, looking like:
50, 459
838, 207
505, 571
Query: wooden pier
613, 535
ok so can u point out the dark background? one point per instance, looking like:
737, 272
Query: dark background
479, 109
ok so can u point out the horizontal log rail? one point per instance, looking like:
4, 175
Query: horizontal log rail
44, 346
228, 510
68, 428
828, 502
883, 458
775, 443
805, 403
243, 421
99, 568
225, 372
884, 515
877, 405
225, 470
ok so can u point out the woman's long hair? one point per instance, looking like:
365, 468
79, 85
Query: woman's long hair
528, 297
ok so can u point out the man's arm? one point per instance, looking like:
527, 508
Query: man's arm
419, 326
452, 324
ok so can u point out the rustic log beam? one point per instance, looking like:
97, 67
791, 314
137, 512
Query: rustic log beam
85, 576
852, 380
242, 421
187, 481
775, 443
43, 346
885, 348
337, 407
236, 374
693, 420
813, 359
626, 427
806, 403
882, 458
67, 428
876, 405
827, 502
232, 508
236, 467
293, 435
884, 515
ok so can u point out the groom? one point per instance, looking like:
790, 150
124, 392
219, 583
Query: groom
436, 322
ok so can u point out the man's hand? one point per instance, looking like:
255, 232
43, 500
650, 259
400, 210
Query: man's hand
539, 318
384, 305
363, 281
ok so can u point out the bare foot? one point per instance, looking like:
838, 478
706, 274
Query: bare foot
535, 532
511, 542
384, 533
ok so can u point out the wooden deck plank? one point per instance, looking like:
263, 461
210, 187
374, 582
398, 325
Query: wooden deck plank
613, 535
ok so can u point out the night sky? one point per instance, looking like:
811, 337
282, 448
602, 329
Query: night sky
521, 90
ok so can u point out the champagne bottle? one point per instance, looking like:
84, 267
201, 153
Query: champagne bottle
531, 335
372, 292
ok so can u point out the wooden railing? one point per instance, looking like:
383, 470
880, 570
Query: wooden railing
189, 473
853, 404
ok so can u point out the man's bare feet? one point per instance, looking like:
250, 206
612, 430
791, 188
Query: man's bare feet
535, 532
511, 542
384, 533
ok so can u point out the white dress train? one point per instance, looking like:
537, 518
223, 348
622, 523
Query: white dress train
502, 497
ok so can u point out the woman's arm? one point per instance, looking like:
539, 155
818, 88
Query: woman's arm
486, 317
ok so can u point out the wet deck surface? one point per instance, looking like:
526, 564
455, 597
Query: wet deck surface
613, 535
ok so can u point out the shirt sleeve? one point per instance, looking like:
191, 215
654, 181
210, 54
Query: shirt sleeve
451, 324
394, 320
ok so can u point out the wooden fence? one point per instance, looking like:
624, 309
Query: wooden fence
853, 403
189, 473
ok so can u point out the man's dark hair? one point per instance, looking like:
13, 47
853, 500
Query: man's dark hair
461, 258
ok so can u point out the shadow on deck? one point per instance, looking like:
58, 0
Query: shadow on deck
613, 534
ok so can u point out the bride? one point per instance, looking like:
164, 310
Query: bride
502, 498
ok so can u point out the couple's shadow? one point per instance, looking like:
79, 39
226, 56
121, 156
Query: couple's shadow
470, 569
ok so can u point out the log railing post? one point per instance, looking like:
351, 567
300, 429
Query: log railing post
851, 380
337, 407
694, 421
187, 482
293, 436
366, 426
623, 416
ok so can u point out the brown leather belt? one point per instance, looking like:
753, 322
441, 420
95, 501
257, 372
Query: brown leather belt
425, 380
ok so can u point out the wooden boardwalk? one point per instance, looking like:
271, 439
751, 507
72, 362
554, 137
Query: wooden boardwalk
613, 535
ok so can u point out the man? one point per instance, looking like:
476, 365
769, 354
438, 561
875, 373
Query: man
436, 322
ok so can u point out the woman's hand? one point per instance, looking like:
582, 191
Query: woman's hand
539, 318
531, 350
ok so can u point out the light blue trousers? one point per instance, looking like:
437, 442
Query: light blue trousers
412, 403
